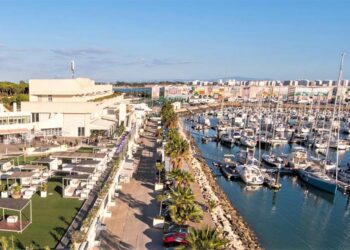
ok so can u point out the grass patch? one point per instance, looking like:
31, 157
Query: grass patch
20, 160
87, 150
51, 218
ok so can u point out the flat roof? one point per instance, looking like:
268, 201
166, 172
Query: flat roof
88, 162
44, 160
14, 204
77, 176
31, 167
88, 170
19, 175
74, 155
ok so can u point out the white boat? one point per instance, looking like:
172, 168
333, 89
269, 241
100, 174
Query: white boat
280, 128
273, 160
248, 139
250, 174
298, 160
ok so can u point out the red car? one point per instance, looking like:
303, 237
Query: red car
175, 238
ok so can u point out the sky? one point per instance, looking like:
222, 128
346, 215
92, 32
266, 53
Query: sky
146, 40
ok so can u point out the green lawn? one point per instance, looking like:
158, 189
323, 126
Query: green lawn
21, 161
87, 150
51, 218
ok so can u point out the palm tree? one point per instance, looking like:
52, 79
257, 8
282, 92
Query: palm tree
182, 206
182, 214
181, 177
181, 196
177, 149
206, 238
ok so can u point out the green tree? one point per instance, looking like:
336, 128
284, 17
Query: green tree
181, 177
182, 214
206, 238
176, 148
182, 206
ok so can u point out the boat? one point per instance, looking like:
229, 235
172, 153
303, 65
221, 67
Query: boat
315, 177
298, 160
248, 139
227, 171
250, 174
227, 140
273, 160
280, 128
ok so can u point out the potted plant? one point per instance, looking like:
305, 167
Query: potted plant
158, 221
159, 185
43, 190
3, 191
16, 192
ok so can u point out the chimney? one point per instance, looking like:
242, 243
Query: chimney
14, 107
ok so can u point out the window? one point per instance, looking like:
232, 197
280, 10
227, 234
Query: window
81, 131
35, 117
49, 98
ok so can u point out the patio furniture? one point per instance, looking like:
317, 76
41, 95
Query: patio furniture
12, 219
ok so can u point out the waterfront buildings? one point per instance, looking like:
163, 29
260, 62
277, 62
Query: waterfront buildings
73, 107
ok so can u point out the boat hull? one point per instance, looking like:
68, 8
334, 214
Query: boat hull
317, 182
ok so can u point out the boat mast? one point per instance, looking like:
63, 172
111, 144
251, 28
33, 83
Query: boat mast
333, 115
340, 100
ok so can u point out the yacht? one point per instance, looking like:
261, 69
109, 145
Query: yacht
247, 138
298, 160
273, 160
250, 174
317, 178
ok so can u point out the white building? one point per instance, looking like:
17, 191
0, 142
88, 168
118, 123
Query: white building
15, 126
73, 107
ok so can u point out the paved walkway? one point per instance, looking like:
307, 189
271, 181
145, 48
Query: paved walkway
130, 226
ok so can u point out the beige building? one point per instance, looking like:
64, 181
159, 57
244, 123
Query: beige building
73, 107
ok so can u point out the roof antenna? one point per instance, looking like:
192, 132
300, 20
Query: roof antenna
72, 68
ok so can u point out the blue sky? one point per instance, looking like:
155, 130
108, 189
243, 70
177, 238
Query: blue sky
174, 39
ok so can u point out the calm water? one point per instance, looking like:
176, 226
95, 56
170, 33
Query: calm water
296, 217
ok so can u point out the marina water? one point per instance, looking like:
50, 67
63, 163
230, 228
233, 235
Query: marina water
297, 216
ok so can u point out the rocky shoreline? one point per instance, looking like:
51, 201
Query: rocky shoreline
224, 215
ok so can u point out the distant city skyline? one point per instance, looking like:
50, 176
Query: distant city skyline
175, 39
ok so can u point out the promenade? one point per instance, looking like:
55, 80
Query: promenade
130, 226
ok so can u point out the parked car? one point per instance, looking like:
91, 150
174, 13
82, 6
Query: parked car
175, 239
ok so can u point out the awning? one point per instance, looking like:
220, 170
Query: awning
101, 124
14, 131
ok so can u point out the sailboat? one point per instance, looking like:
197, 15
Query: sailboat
316, 176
